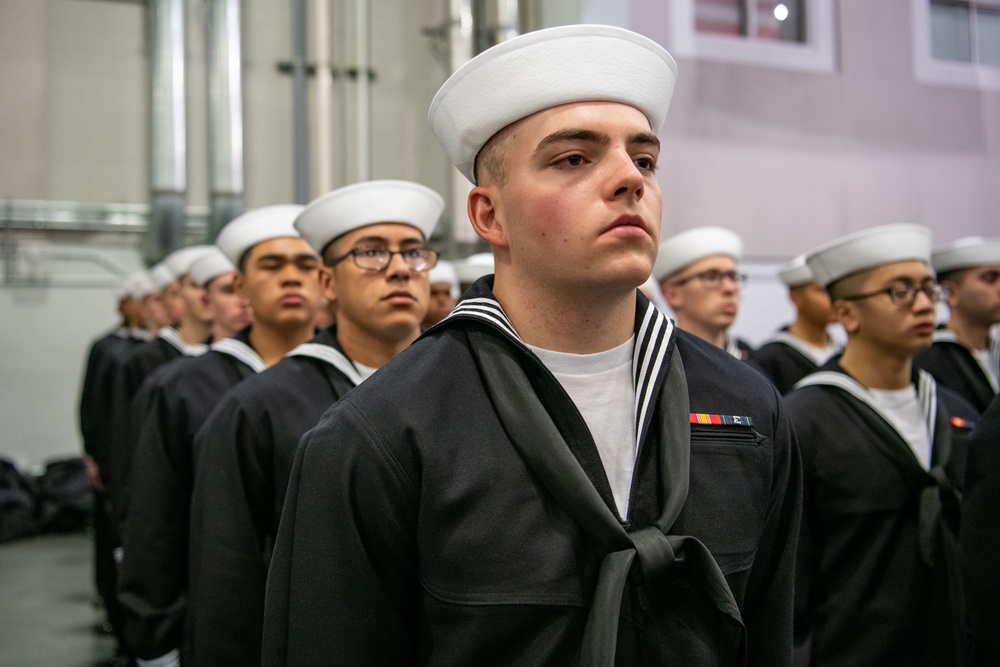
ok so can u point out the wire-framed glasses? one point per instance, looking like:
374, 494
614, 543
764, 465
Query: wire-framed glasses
377, 259
904, 294
712, 279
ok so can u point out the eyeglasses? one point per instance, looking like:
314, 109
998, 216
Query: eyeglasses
376, 259
712, 279
902, 294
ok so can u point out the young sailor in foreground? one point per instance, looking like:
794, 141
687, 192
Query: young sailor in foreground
876, 579
965, 356
554, 472
699, 277
804, 345
279, 276
372, 237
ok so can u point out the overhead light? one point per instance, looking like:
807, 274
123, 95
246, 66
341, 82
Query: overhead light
780, 12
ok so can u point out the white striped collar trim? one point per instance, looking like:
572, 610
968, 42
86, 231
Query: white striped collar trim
332, 356
651, 343
140, 333
241, 352
926, 396
945, 336
170, 335
733, 348
804, 348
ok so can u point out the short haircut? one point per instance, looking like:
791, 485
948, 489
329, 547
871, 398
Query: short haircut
492, 158
848, 285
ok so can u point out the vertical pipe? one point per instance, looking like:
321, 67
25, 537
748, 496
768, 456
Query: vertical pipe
168, 129
324, 98
362, 30
225, 114
529, 16
461, 40
300, 109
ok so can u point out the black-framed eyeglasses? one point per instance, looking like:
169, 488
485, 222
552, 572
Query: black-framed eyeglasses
712, 279
903, 294
377, 259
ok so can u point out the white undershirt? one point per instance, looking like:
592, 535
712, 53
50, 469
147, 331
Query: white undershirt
904, 408
601, 387
365, 371
990, 365
819, 355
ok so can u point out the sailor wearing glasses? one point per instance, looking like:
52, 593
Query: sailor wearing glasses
554, 474
372, 237
883, 456
697, 271
965, 355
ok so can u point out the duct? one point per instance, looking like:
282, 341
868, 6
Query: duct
168, 155
324, 97
300, 108
225, 114
460, 40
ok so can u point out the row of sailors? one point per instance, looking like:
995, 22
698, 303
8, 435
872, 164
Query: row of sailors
463, 505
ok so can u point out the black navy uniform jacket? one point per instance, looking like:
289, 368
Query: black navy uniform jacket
980, 539
177, 400
244, 455
107, 356
425, 521
871, 587
782, 362
953, 366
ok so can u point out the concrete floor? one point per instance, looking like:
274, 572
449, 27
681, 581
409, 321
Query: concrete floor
46, 614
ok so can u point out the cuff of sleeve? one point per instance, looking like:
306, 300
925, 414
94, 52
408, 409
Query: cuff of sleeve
172, 659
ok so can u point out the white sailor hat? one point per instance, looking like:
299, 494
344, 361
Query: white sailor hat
180, 260
370, 202
795, 272
241, 234
136, 285
681, 249
867, 249
474, 267
161, 275
444, 272
543, 69
966, 253
209, 266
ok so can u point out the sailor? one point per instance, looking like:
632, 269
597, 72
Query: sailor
444, 292
698, 274
228, 309
372, 237
104, 362
524, 484
804, 345
472, 268
979, 546
279, 276
965, 357
876, 581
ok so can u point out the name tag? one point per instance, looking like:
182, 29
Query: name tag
727, 420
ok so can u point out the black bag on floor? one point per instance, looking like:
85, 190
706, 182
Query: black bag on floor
17, 504
65, 496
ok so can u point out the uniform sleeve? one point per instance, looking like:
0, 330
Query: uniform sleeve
768, 610
153, 578
89, 403
980, 539
230, 532
343, 587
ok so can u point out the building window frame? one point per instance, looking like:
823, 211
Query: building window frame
816, 54
931, 70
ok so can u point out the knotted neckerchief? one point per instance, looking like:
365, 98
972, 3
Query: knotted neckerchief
644, 554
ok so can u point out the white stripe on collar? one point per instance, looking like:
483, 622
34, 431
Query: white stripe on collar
733, 348
170, 335
804, 348
945, 336
993, 345
651, 343
330, 355
926, 396
140, 333
241, 352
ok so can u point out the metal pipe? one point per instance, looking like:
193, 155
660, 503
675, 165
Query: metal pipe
300, 108
362, 32
324, 98
168, 129
225, 114
460, 40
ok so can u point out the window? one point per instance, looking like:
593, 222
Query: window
790, 34
957, 42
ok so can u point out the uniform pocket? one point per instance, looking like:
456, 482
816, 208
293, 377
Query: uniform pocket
730, 483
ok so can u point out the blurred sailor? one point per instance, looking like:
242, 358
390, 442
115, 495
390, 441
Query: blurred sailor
444, 292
